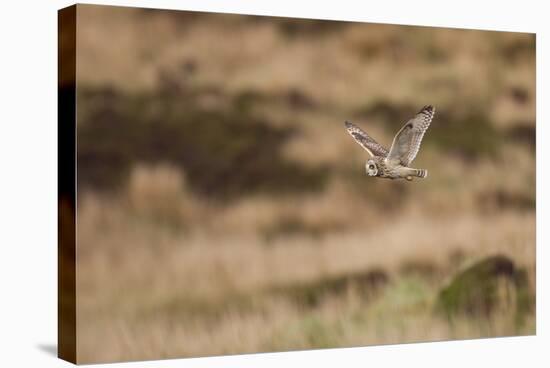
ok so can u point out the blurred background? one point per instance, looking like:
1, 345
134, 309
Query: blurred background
223, 208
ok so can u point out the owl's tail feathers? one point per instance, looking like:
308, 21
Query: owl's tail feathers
421, 173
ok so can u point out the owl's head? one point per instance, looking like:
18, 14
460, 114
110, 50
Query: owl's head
372, 168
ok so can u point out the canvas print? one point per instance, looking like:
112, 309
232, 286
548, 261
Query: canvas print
236, 184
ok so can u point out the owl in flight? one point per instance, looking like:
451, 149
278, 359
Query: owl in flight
395, 163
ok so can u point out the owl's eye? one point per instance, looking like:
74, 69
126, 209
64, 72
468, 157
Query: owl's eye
371, 166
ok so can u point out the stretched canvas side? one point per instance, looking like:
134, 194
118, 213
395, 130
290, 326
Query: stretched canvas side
66, 325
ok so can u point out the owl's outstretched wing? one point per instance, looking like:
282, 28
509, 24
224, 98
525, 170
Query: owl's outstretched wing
407, 141
365, 140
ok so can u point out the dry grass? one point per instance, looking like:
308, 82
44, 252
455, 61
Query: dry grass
164, 272
153, 288
361, 63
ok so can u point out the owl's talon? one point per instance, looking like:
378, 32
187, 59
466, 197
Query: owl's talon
409, 178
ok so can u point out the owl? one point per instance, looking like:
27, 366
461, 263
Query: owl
406, 143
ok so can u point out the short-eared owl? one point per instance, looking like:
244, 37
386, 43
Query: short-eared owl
395, 163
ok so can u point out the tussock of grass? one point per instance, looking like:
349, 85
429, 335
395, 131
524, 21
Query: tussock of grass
490, 284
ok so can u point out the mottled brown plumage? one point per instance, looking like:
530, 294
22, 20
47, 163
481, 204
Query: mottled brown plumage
394, 164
